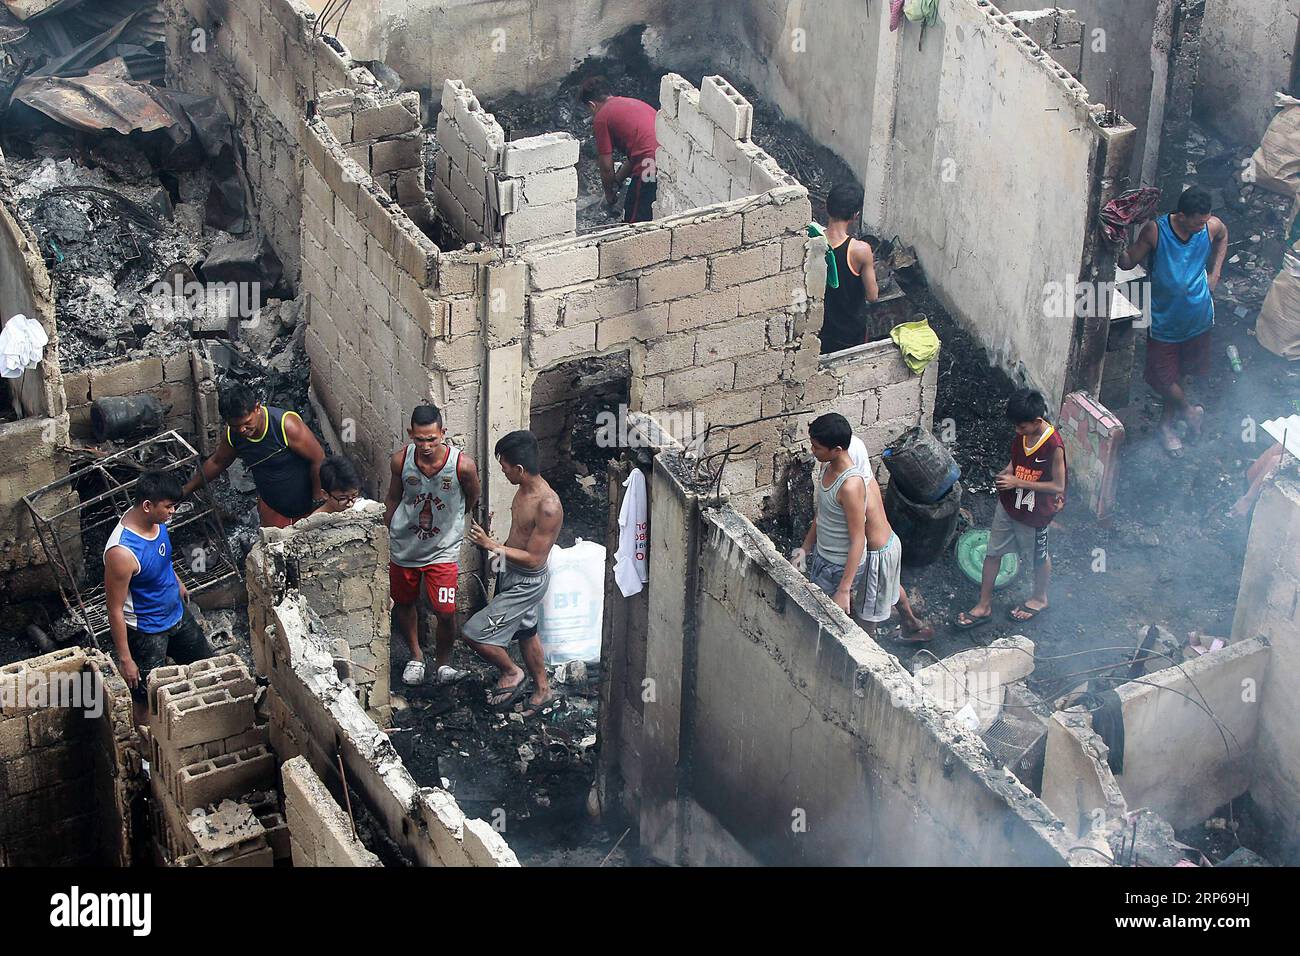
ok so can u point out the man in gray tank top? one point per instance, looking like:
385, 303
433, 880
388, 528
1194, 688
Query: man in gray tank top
432, 487
836, 542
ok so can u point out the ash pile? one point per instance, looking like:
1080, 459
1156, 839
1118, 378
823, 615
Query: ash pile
136, 192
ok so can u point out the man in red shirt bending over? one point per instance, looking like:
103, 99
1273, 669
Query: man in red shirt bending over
628, 124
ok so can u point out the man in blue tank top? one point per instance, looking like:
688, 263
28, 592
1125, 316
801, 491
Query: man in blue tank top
1183, 254
147, 616
279, 450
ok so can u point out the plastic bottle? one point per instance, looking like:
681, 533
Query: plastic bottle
1234, 358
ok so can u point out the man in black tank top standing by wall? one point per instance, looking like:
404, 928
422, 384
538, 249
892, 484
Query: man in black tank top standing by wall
845, 323
276, 447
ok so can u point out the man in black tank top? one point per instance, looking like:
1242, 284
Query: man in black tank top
279, 450
845, 322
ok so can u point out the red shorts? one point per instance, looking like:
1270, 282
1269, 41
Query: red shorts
1168, 362
270, 518
439, 582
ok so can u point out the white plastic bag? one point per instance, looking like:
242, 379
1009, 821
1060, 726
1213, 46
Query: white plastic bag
572, 611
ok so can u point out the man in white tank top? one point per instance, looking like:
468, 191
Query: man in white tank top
433, 486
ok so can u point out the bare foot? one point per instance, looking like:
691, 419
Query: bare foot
1172, 443
1195, 419
916, 632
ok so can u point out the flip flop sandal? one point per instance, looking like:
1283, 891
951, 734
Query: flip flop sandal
1032, 612
973, 623
505, 704
1172, 444
532, 708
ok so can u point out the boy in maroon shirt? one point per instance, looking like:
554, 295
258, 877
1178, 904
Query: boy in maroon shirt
1031, 490
629, 124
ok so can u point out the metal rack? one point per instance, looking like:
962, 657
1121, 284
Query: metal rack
70, 526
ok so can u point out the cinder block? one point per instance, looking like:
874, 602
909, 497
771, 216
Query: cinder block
673, 141
202, 717
390, 119
729, 341
541, 222
670, 87
788, 212
672, 282
315, 819
746, 265
547, 349
720, 101
643, 325
568, 266
600, 301
401, 152
785, 290
704, 237
537, 153
453, 92
665, 355
225, 777
553, 186
451, 140
126, 378
759, 369
694, 383
693, 122
704, 309
636, 251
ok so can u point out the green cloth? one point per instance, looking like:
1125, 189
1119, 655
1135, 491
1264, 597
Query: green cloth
917, 342
832, 271
922, 11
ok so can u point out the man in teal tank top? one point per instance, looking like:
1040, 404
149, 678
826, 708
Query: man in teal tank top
1183, 254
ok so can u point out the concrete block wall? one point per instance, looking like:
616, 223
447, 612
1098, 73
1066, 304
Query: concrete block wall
208, 746
379, 310
32, 449
873, 388
320, 833
715, 308
1268, 605
340, 567
705, 152
876, 773
487, 188
70, 774
1179, 760
1246, 51
1059, 32
168, 378
263, 60
977, 73
313, 715
381, 131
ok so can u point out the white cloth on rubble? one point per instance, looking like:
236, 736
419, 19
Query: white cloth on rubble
630, 567
22, 345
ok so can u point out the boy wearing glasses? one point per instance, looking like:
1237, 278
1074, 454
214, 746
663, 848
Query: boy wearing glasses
434, 485
341, 484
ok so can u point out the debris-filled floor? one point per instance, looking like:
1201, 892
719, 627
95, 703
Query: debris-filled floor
1171, 521
531, 776
631, 73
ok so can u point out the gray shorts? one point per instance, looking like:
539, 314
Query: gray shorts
512, 612
1008, 536
882, 581
826, 574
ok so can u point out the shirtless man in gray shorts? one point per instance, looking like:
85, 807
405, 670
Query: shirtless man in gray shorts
536, 517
